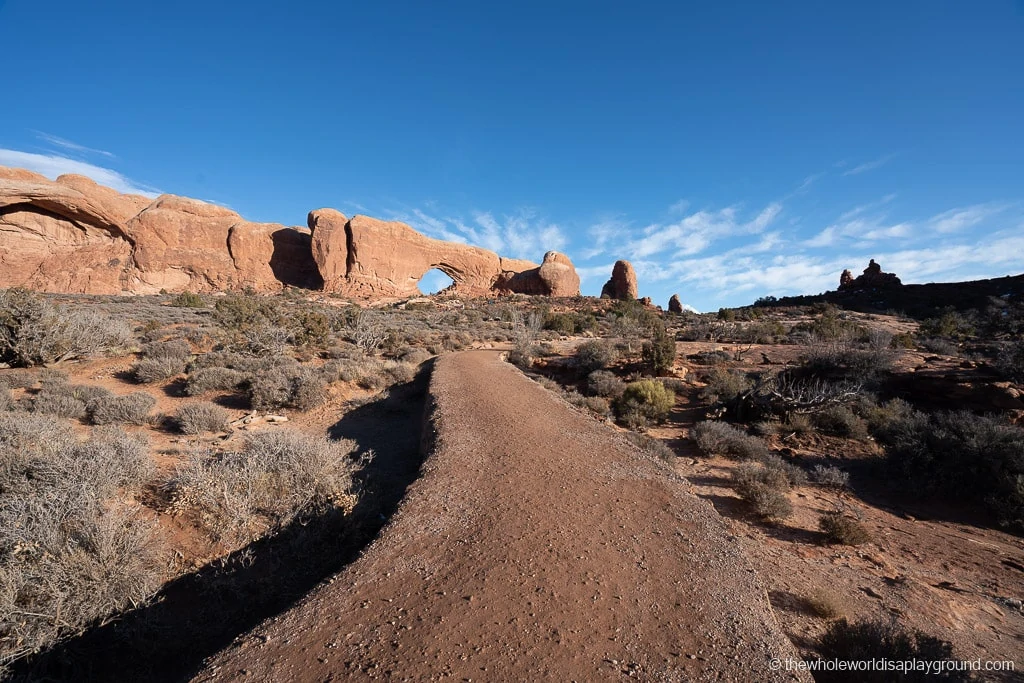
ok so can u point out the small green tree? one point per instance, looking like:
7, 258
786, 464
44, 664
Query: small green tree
659, 354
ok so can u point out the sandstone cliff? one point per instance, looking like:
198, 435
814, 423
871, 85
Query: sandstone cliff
72, 235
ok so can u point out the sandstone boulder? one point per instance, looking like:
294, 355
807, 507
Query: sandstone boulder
559, 275
622, 284
675, 305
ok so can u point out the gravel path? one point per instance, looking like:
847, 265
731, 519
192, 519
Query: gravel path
536, 545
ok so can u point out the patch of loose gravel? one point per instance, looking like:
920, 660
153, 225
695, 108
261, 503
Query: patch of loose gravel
536, 545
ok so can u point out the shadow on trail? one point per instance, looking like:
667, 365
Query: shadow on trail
198, 614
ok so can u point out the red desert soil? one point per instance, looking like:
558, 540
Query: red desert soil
537, 544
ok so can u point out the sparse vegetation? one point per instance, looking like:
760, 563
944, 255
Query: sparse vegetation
196, 418
722, 438
131, 408
295, 387
593, 356
605, 384
962, 457
67, 558
723, 385
659, 353
842, 530
643, 401
276, 477
873, 640
764, 489
188, 300
34, 331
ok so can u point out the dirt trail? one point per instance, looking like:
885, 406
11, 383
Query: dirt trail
537, 545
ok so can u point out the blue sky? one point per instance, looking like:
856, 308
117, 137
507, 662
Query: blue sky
729, 150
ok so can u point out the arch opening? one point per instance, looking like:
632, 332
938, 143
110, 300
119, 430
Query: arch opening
434, 281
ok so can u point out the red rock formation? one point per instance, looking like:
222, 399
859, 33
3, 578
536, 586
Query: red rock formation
675, 305
73, 235
872, 278
622, 284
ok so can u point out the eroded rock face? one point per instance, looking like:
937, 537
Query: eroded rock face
675, 305
872, 278
368, 258
58, 237
73, 235
622, 284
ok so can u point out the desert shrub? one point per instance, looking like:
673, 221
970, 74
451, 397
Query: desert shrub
277, 476
646, 399
798, 423
598, 405
188, 300
764, 490
874, 640
594, 355
950, 324
1010, 361
709, 357
214, 379
879, 416
6, 402
128, 409
569, 323
522, 355
66, 400
903, 340
842, 530
149, 370
843, 358
289, 387
765, 428
659, 353
825, 604
651, 446
53, 376
18, 378
721, 438
67, 558
829, 477
34, 331
960, 457
943, 347
174, 348
605, 384
400, 372
723, 385
840, 421
196, 418
368, 331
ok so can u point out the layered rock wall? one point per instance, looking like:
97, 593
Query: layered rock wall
75, 236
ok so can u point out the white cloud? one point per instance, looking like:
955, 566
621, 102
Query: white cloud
955, 220
523, 234
600, 235
869, 165
53, 166
858, 210
696, 232
70, 146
